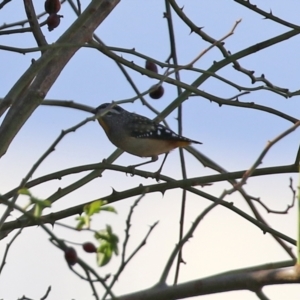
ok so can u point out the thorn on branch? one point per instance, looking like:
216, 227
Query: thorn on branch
114, 192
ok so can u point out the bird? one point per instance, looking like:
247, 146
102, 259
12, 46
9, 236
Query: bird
138, 135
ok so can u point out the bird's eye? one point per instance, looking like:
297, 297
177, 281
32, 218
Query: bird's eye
103, 106
115, 110
118, 109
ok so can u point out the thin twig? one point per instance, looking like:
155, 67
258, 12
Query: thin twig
34, 25
173, 56
127, 229
227, 55
56, 241
162, 187
3, 3
179, 246
47, 293
289, 206
38, 163
92, 284
139, 95
125, 261
258, 161
269, 15
7, 248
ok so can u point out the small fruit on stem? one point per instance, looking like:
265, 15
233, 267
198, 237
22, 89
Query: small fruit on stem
53, 21
71, 256
157, 92
89, 247
52, 6
151, 66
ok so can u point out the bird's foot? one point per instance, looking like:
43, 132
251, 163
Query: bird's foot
131, 170
157, 175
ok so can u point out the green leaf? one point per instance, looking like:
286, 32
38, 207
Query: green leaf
41, 203
37, 211
103, 257
108, 245
39, 206
24, 191
84, 221
81, 222
109, 209
97, 206
93, 207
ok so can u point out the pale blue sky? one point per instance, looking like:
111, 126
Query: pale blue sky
233, 137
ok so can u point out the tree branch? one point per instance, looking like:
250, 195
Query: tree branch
251, 281
47, 69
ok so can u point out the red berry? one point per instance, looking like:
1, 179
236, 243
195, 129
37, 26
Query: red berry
53, 21
89, 247
157, 93
71, 256
52, 6
151, 66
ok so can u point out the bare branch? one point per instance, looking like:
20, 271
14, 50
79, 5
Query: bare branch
269, 16
47, 69
258, 161
189, 234
47, 293
219, 283
289, 206
3, 3
34, 25
7, 249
